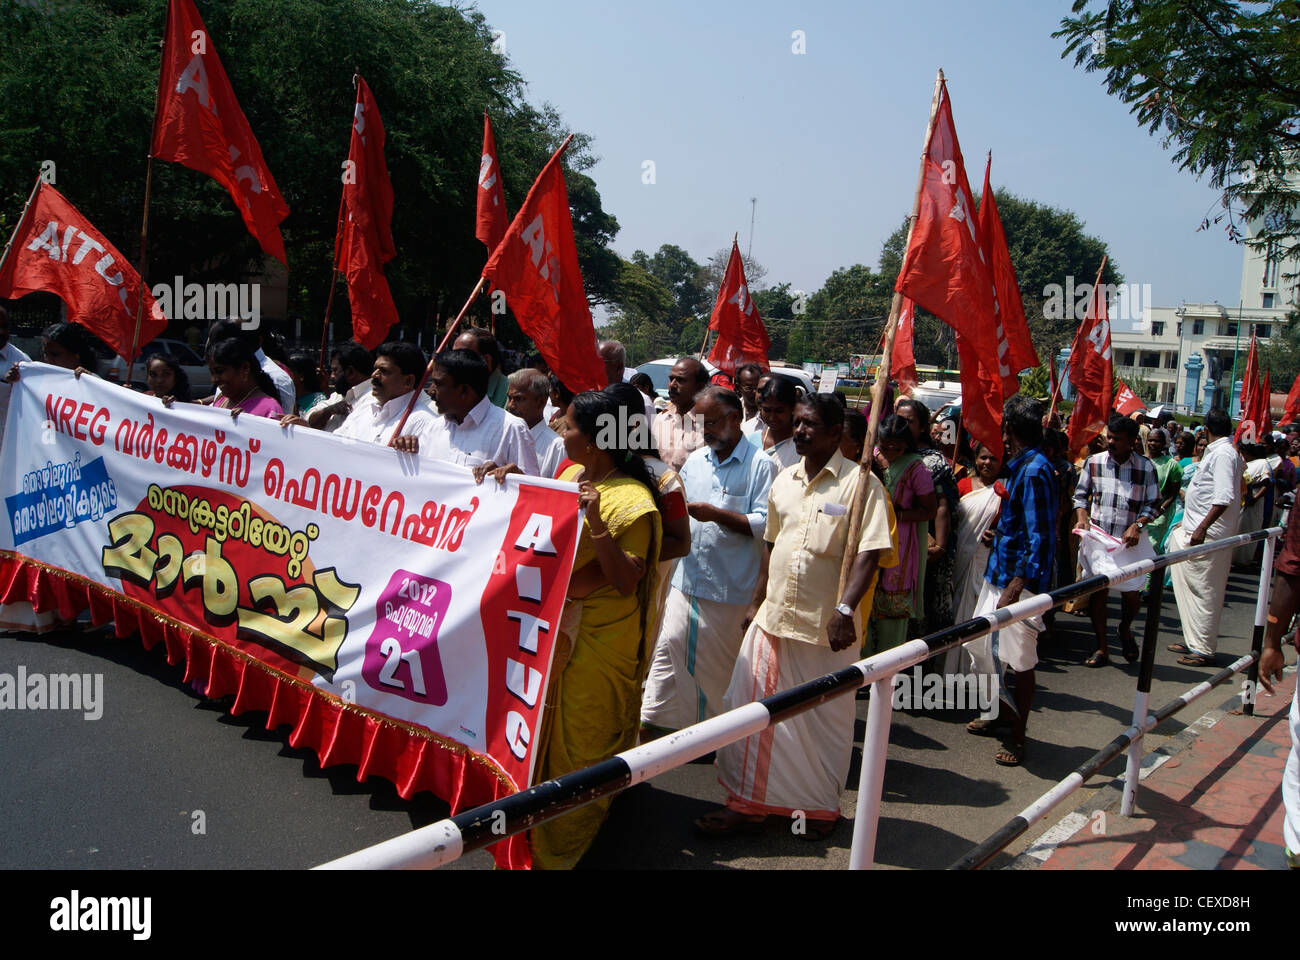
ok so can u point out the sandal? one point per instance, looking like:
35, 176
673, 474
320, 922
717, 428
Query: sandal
1177, 648
725, 822
982, 728
1130, 647
1011, 754
1196, 660
1099, 659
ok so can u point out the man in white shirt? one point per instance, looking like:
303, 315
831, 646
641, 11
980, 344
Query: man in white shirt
471, 431
351, 367
526, 397
397, 370
1211, 510
9, 355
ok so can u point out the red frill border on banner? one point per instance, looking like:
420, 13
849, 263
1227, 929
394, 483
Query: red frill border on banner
410, 757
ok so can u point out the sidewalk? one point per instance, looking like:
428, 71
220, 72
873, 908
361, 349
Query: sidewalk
1214, 805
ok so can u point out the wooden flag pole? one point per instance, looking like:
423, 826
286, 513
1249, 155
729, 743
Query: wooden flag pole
30, 197
722, 285
329, 301
882, 372
428, 370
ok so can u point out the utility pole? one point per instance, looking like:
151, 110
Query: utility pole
753, 209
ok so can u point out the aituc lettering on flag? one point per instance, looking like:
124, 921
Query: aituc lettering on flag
58, 250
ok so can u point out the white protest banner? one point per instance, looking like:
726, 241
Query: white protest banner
404, 613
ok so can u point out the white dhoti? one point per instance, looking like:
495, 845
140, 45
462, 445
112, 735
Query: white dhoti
693, 661
1014, 647
801, 763
1199, 588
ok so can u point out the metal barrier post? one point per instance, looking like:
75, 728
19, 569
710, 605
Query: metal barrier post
871, 778
1261, 618
1150, 639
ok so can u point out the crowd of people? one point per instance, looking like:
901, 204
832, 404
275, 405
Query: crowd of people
708, 573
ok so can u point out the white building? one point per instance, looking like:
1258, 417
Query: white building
1187, 350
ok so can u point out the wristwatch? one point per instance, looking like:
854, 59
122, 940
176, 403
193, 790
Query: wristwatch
844, 609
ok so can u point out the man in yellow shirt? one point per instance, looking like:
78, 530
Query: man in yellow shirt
801, 627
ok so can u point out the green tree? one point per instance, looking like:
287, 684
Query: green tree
77, 86
847, 315
1220, 83
780, 307
1280, 354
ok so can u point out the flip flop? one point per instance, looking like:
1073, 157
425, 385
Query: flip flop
1196, 660
1177, 648
982, 728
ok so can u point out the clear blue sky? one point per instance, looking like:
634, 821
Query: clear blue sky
829, 140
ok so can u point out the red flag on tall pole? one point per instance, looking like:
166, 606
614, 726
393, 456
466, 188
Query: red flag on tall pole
742, 337
536, 266
944, 270
1015, 345
1249, 389
1126, 401
1266, 408
365, 241
199, 124
902, 365
1092, 372
490, 225
56, 249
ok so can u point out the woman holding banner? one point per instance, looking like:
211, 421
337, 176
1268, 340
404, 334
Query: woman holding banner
593, 704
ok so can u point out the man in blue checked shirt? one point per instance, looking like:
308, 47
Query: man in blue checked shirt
1020, 560
727, 484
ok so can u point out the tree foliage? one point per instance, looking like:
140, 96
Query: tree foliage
77, 86
1280, 354
1218, 81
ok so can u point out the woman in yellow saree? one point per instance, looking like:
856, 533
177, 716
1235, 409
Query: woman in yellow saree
593, 704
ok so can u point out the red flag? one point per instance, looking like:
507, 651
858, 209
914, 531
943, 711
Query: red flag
56, 249
199, 124
1015, 345
1051, 373
981, 398
536, 266
1266, 408
945, 272
1093, 374
742, 337
1126, 401
365, 241
490, 226
944, 269
1292, 409
902, 366
1249, 390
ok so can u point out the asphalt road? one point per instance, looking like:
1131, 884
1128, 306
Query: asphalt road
164, 779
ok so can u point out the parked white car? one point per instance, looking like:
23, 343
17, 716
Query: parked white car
658, 370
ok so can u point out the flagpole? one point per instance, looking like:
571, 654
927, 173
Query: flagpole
30, 197
1056, 387
722, 285
148, 189
329, 301
886, 361
428, 370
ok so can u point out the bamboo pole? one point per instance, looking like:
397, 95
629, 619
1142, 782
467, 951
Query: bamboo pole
882, 372
428, 370
329, 301
26, 206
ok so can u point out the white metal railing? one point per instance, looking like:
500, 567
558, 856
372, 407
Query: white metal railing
447, 840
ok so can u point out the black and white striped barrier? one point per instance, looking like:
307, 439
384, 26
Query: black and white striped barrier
1142, 721
440, 843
